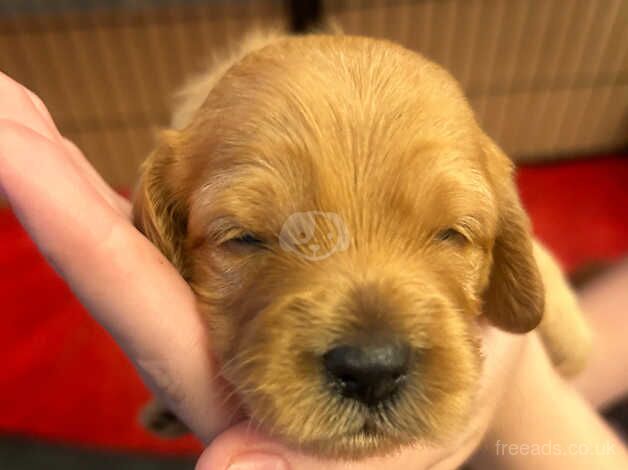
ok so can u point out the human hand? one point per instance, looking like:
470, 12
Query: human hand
84, 229
542, 422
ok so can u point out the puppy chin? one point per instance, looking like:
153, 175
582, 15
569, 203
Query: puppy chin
281, 371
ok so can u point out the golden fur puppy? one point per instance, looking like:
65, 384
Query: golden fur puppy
344, 222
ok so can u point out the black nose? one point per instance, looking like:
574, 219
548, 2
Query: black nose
370, 373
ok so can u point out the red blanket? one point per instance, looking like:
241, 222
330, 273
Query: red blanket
63, 378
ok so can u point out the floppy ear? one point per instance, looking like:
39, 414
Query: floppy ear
514, 299
160, 203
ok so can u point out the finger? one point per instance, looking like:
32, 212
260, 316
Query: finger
22, 105
555, 414
123, 280
87, 170
243, 447
605, 300
25, 107
42, 110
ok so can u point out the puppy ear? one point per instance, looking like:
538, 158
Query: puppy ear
159, 204
514, 299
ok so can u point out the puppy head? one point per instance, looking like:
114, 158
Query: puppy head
343, 222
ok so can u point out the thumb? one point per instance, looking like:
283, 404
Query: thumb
243, 448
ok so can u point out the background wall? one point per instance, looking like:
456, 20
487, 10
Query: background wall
547, 78
108, 73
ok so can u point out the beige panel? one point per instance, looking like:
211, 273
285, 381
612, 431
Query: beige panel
108, 76
559, 123
149, 59
546, 77
543, 40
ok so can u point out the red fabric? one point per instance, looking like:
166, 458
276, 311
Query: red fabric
63, 378
579, 209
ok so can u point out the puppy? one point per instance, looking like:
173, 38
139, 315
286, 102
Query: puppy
344, 224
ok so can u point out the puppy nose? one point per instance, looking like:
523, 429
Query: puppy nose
368, 373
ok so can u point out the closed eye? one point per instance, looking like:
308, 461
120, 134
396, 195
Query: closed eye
452, 235
247, 239
243, 243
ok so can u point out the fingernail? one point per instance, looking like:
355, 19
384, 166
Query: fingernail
257, 461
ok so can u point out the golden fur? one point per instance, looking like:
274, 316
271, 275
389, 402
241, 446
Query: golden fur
385, 140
